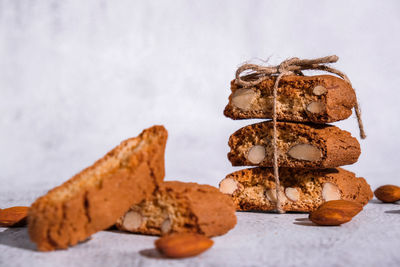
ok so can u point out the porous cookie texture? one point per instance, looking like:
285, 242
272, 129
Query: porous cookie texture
318, 99
299, 146
95, 198
181, 207
301, 190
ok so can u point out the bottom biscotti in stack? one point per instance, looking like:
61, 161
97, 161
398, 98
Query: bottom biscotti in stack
181, 207
301, 189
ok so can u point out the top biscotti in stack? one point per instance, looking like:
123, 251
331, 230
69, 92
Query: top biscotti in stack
307, 147
317, 99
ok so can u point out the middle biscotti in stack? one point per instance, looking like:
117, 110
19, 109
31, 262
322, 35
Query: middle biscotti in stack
309, 150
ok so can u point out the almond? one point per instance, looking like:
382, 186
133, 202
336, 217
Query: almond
335, 212
182, 245
14, 216
329, 217
351, 208
388, 193
305, 152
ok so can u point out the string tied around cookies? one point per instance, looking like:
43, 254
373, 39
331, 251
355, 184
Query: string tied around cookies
249, 75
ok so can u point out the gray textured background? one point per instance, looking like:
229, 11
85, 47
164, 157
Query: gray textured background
77, 77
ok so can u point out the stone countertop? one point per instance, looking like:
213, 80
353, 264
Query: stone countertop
372, 238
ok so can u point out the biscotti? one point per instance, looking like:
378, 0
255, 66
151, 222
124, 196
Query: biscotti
95, 198
181, 207
301, 190
318, 99
299, 146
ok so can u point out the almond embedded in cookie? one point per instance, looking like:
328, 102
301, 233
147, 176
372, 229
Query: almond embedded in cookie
179, 207
301, 189
96, 197
299, 146
318, 99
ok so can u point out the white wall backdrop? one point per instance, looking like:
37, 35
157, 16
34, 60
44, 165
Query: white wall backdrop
77, 77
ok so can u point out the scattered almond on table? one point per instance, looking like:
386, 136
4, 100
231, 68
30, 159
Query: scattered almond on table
335, 212
388, 193
182, 245
14, 216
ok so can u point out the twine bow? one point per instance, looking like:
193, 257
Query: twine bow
292, 66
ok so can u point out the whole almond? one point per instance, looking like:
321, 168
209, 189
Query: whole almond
351, 208
182, 245
388, 193
335, 212
14, 216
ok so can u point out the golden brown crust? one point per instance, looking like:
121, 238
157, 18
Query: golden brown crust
96, 197
190, 207
294, 95
253, 184
337, 146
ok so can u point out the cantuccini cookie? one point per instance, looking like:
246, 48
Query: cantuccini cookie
95, 198
181, 207
318, 99
299, 146
301, 189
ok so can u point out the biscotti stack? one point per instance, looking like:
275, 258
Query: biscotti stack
309, 151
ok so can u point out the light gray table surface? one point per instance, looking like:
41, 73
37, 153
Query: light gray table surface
259, 239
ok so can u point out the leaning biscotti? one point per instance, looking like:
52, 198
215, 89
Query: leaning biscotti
301, 189
95, 198
299, 146
318, 99
181, 207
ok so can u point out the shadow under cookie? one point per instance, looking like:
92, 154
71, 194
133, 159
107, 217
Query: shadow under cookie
17, 237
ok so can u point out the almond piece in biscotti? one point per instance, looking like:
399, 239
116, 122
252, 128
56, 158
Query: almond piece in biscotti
166, 226
319, 90
330, 192
316, 107
292, 194
271, 195
256, 154
242, 98
183, 245
305, 152
132, 220
228, 186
